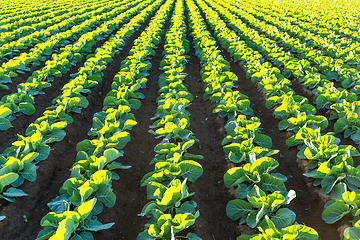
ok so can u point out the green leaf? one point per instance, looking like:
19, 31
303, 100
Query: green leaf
191, 170
106, 196
58, 134
243, 190
44, 151
328, 183
234, 176
85, 146
279, 176
236, 208
95, 77
335, 212
283, 218
7, 179
187, 207
337, 192
46, 233
59, 205
116, 165
254, 217
27, 108
271, 183
341, 125
263, 140
283, 124
134, 103
353, 177
112, 154
14, 192
97, 226
192, 236
144, 236
36, 63
29, 172
5, 124
85, 208
356, 136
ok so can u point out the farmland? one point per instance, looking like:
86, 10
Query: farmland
179, 119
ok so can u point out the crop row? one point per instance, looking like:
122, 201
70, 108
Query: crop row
169, 209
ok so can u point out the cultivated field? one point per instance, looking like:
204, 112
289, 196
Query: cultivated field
179, 119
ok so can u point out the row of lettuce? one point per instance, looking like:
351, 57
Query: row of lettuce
169, 209
265, 193
330, 162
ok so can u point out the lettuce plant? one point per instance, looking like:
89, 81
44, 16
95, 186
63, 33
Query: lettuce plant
254, 174
258, 206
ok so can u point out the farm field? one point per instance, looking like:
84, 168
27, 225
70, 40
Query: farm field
179, 119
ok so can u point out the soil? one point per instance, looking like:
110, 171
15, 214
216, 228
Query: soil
24, 215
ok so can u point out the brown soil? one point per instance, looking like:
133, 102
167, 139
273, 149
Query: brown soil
211, 195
